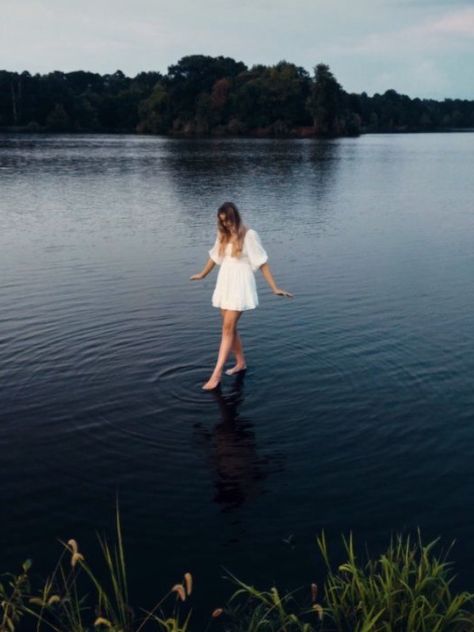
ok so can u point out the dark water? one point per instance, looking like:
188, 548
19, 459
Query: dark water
356, 412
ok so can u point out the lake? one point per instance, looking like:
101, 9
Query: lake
357, 408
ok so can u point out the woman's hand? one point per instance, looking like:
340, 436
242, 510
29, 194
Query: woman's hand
281, 292
265, 269
204, 272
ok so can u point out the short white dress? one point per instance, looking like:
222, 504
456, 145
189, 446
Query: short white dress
235, 286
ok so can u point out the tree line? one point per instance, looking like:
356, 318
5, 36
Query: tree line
216, 96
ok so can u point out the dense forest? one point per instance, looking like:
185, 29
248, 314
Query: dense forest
216, 96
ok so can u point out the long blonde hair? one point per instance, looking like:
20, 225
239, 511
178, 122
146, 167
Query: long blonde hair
237, 228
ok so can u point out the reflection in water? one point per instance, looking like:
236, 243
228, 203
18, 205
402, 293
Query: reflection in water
300, 180
232, 452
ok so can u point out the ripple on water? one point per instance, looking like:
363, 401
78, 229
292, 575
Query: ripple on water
183, 385
157, 413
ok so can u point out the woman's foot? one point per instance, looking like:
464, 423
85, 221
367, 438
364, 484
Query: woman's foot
236, 369
212, 383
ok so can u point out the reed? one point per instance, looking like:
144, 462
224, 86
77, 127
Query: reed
408, 588
253, 610
13, 591
78, 598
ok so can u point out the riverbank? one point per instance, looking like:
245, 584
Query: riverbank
296, 133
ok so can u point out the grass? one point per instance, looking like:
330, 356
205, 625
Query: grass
408, 588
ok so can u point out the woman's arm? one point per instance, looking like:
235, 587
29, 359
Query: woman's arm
207, 268
265, 269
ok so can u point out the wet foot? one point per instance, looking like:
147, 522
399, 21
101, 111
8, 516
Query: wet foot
211, 384
236, 369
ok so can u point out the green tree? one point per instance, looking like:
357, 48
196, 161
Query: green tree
154, 112
203, 118
193, 75
219, 102
58, 119
325, 102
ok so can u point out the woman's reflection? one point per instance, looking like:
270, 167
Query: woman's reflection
232, 451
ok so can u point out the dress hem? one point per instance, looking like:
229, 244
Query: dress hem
235, 309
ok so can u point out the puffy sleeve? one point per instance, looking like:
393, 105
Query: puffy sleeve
214, 252
255, 250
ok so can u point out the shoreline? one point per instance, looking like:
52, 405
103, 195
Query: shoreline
296, 134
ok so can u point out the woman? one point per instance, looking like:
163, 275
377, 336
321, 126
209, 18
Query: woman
239, 252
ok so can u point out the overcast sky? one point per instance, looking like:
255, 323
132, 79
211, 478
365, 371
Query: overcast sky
421, 48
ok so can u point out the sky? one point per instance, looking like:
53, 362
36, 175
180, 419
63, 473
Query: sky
422, 48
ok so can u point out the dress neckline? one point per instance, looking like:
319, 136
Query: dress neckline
229, 243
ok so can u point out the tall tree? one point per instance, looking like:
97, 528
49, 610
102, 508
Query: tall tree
326, 101
193, 75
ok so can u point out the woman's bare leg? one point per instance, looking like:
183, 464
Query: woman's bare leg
239, 355
238, 351
229, 324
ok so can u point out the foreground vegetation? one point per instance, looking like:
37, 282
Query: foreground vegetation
218, 96
406, 589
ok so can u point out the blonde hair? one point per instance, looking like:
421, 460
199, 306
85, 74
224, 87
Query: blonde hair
237, 228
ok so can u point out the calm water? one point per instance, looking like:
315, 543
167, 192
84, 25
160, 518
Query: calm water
356, 412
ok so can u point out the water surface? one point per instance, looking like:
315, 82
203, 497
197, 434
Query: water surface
356, 411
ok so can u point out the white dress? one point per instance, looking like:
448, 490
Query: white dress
235, 286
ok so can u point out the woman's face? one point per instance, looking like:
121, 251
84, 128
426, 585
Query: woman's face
225, 222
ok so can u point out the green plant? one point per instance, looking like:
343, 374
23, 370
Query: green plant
256, 610
63, 604
407, 589
13, 592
